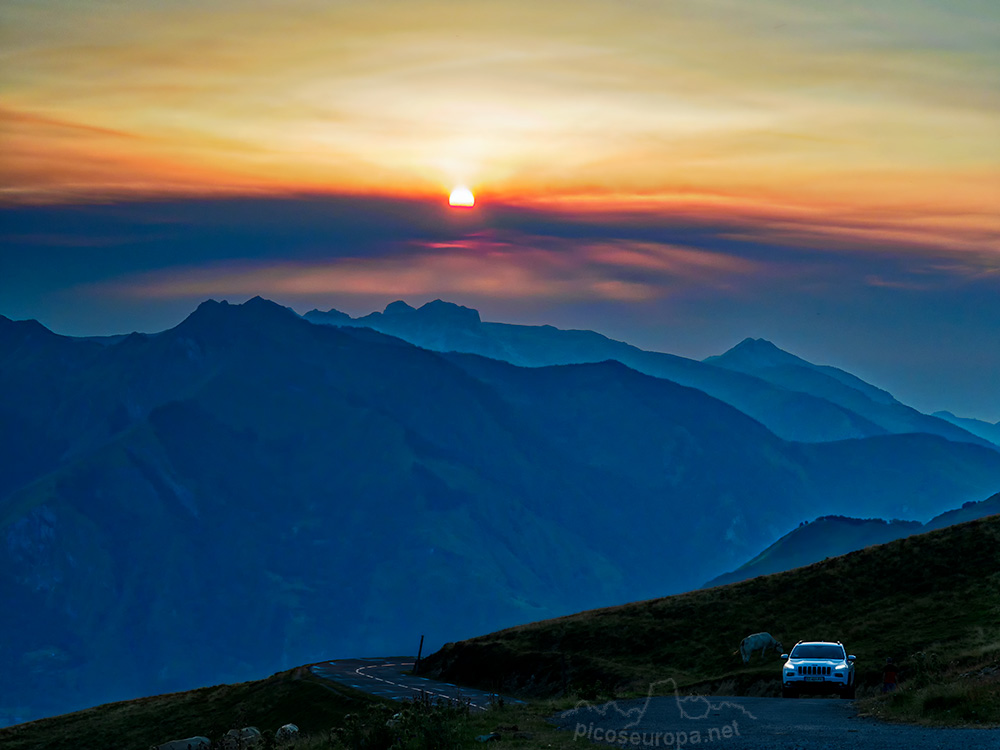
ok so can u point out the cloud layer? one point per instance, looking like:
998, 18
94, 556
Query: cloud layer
678, 174
917, 312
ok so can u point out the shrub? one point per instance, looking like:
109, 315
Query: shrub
417, 725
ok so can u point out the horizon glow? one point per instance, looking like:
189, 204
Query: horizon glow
882, 104
681, 175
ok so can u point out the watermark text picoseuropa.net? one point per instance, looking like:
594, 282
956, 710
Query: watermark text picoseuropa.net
665, 739
625, 724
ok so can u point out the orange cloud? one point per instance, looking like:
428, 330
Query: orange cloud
772, 104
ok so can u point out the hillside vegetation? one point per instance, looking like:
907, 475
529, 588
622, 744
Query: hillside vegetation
931, 601
319, 709
295, 697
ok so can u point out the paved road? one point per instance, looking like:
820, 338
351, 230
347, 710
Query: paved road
386, 677
671, 723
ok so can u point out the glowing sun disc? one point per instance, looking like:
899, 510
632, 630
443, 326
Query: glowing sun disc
462, 197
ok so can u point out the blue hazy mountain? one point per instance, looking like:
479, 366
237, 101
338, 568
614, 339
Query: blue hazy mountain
760, 355
817, 404
830, 536
764, 360
248, 491
986, 430
446, 327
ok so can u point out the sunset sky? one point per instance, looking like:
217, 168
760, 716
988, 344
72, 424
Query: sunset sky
677, 174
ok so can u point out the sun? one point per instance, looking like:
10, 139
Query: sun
461, 197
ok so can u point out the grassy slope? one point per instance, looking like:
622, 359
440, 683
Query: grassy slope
295, 696
288, 697
932, 601
936, 594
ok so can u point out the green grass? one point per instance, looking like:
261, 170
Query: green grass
295, 697
945, 688
950, 704
519, 726
936, 594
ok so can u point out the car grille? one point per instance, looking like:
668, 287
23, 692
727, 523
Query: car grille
813, 669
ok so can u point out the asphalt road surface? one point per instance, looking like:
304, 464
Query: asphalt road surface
719, 723
386, 677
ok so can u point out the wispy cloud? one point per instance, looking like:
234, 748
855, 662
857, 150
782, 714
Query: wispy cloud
491, 265
908, 296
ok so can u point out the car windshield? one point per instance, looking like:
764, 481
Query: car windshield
818, 651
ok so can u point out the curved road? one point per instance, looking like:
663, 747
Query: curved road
681, 722
389, 678
720, 723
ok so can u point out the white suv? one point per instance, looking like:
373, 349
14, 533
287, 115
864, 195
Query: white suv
818, 667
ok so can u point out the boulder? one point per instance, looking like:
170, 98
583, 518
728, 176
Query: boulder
191, 743
286, 733
240, 739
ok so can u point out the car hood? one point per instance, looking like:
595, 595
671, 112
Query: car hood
821, 662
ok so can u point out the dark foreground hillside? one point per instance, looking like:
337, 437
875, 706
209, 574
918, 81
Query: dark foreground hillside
931, 601
294, 697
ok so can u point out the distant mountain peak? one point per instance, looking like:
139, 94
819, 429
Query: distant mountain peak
256, 311
398, 308
758, 345
15, 332
260, 303
757, 353
437, 312
210, 304
24, 325
449, 312
331, 316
